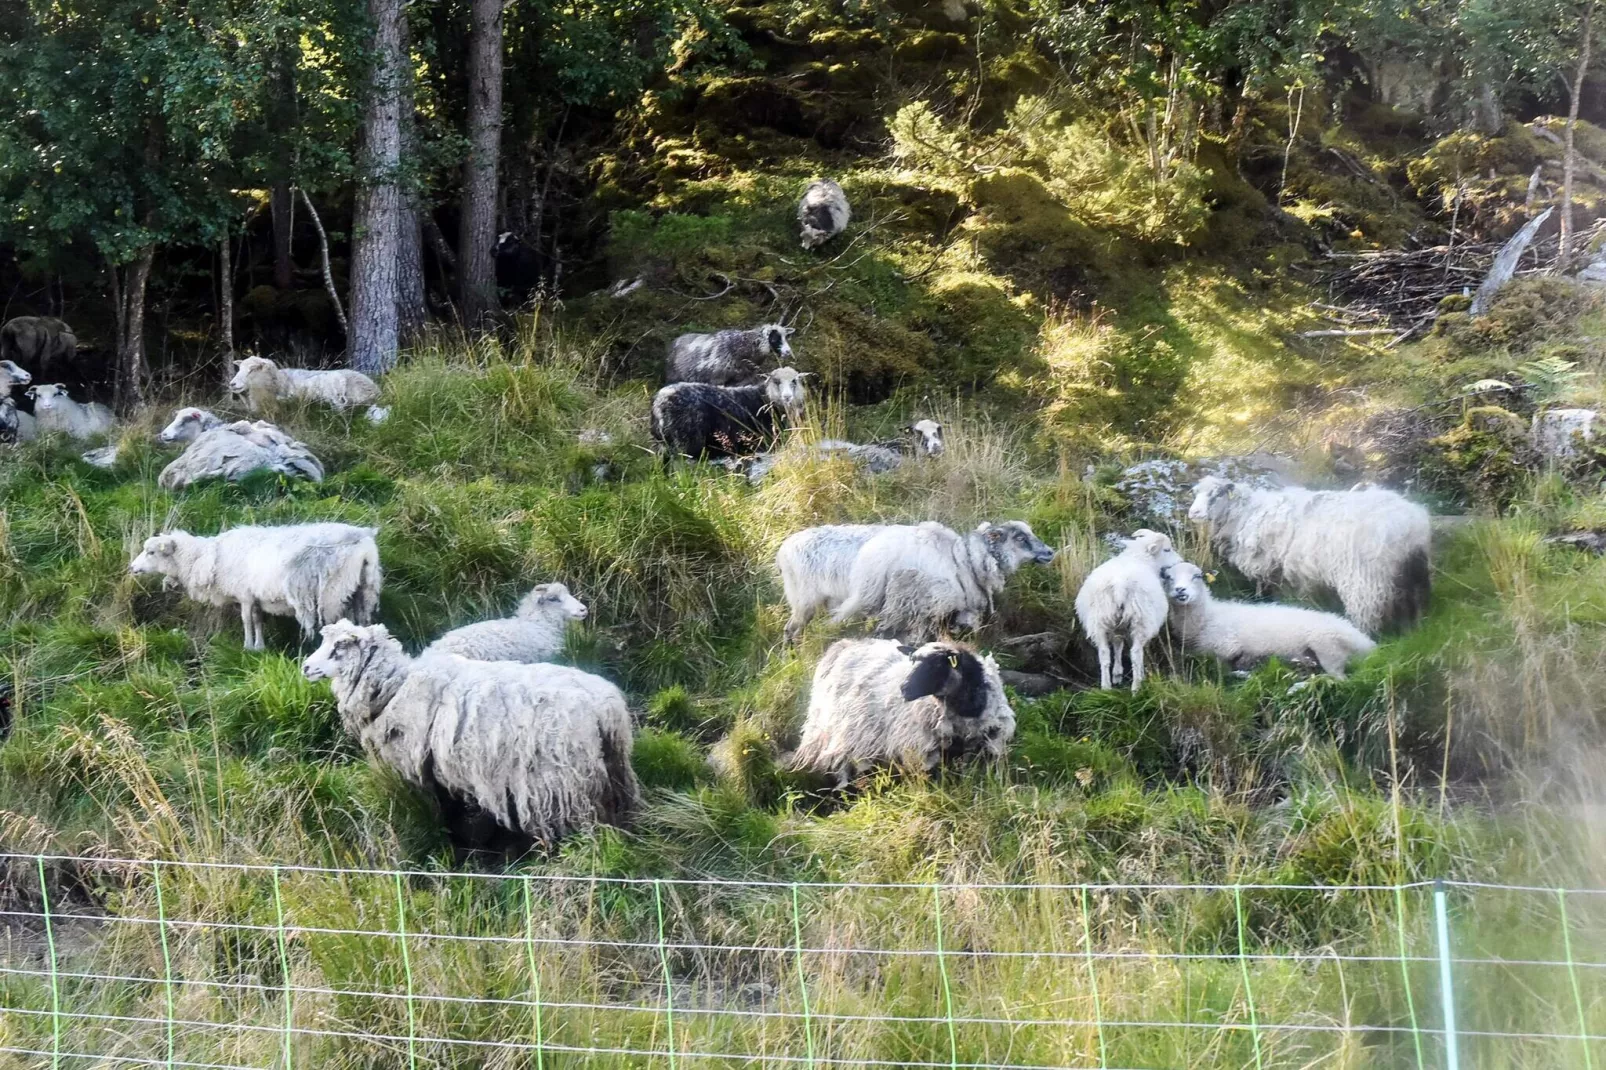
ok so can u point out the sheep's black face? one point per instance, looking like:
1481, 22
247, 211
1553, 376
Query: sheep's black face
953, 674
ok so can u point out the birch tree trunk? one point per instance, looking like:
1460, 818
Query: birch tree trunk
477, 237
225, 304
1569, 159
377, 223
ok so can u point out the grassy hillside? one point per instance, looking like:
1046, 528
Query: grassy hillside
1062, 319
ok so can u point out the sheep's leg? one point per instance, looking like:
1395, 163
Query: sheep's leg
1136, 648
1104, 663
1333, 659
251, 625
801, 615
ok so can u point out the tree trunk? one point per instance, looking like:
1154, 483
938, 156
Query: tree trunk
1490, 119
411, 308
1569, 157
373, 337
477, 238
132, 368
282, 201
225, 304
282, 123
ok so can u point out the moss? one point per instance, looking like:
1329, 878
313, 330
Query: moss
925, 45
1485, 460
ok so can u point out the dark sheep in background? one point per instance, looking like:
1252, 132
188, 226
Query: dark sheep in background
519, 269
729, 357
44, 346
823, 213
697, 419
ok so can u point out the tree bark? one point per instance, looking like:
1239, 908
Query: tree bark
1569, 156
225, 304
282, 208
132, 368
282, 122
412, 310
373, 336
477, 237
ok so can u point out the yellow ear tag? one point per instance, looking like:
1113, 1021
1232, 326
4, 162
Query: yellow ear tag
953, 661
1210, 577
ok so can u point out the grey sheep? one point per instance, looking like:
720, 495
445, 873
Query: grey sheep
45, 343
216, 450
541, 750
823, 212
729, 357
924, 439
873, 703
534, 633
697, 419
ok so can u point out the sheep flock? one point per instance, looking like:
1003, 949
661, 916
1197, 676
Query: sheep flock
517, 748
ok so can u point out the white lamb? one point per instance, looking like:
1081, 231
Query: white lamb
56, 412
534, 633
264, 382
542, 750
1370, 546
873, 703
1124, 599
917, 580
815, 565
1247, 631
316, 573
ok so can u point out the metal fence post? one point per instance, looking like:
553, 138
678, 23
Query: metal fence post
1441, 915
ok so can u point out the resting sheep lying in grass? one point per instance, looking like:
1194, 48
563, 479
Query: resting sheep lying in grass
1124, 599
1247, 631
696, 419
541, 750
1370, 546
58, 413
924, 439
316, 573
916, 580
727, 358
822, 212
874, 703
15, 425
232, 451
264, 382
534, 633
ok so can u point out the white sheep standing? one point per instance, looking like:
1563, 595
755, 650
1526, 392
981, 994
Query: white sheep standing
263, 382
917, 579
815, 565
1370, 546
56, 412
874, 703
316, 573
1246, 631
1124, 598
543, 750
534, 633
822, 212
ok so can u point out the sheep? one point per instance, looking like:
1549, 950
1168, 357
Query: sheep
727, 358
1369, 546
316, 573
873, 702
1124, 599
45, 343
188, 425
815, 565
56, 412
232, 451
1558, 433
541, 750
8, 421
874, 457
15, 425
12, 376
1245, 631
264, 382
534, 633
698, 419
822, 213
916, 579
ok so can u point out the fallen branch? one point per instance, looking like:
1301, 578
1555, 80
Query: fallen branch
323, 251
1350, 333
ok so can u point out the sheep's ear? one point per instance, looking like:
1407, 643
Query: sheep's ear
930, 674
996, 535
790, 330
1159, 546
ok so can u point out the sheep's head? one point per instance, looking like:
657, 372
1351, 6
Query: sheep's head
10, 376
1208, 495
784, 388
159, 556
928, 436
249, 369
552, 599
47, 395
347, 649
1186, 583
1153, 547
966, 684
1013, 544
187, 425
775, 340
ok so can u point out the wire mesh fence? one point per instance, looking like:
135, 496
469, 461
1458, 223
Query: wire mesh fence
214, 965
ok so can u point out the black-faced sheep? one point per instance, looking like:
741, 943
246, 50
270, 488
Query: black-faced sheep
316, 573
1124, 598
59, 414
541, 750
1370, 546
1241, 632
918, 580
46, 345
873, 703
264, 382
696, 419
822, 212
534, 633
727, 358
